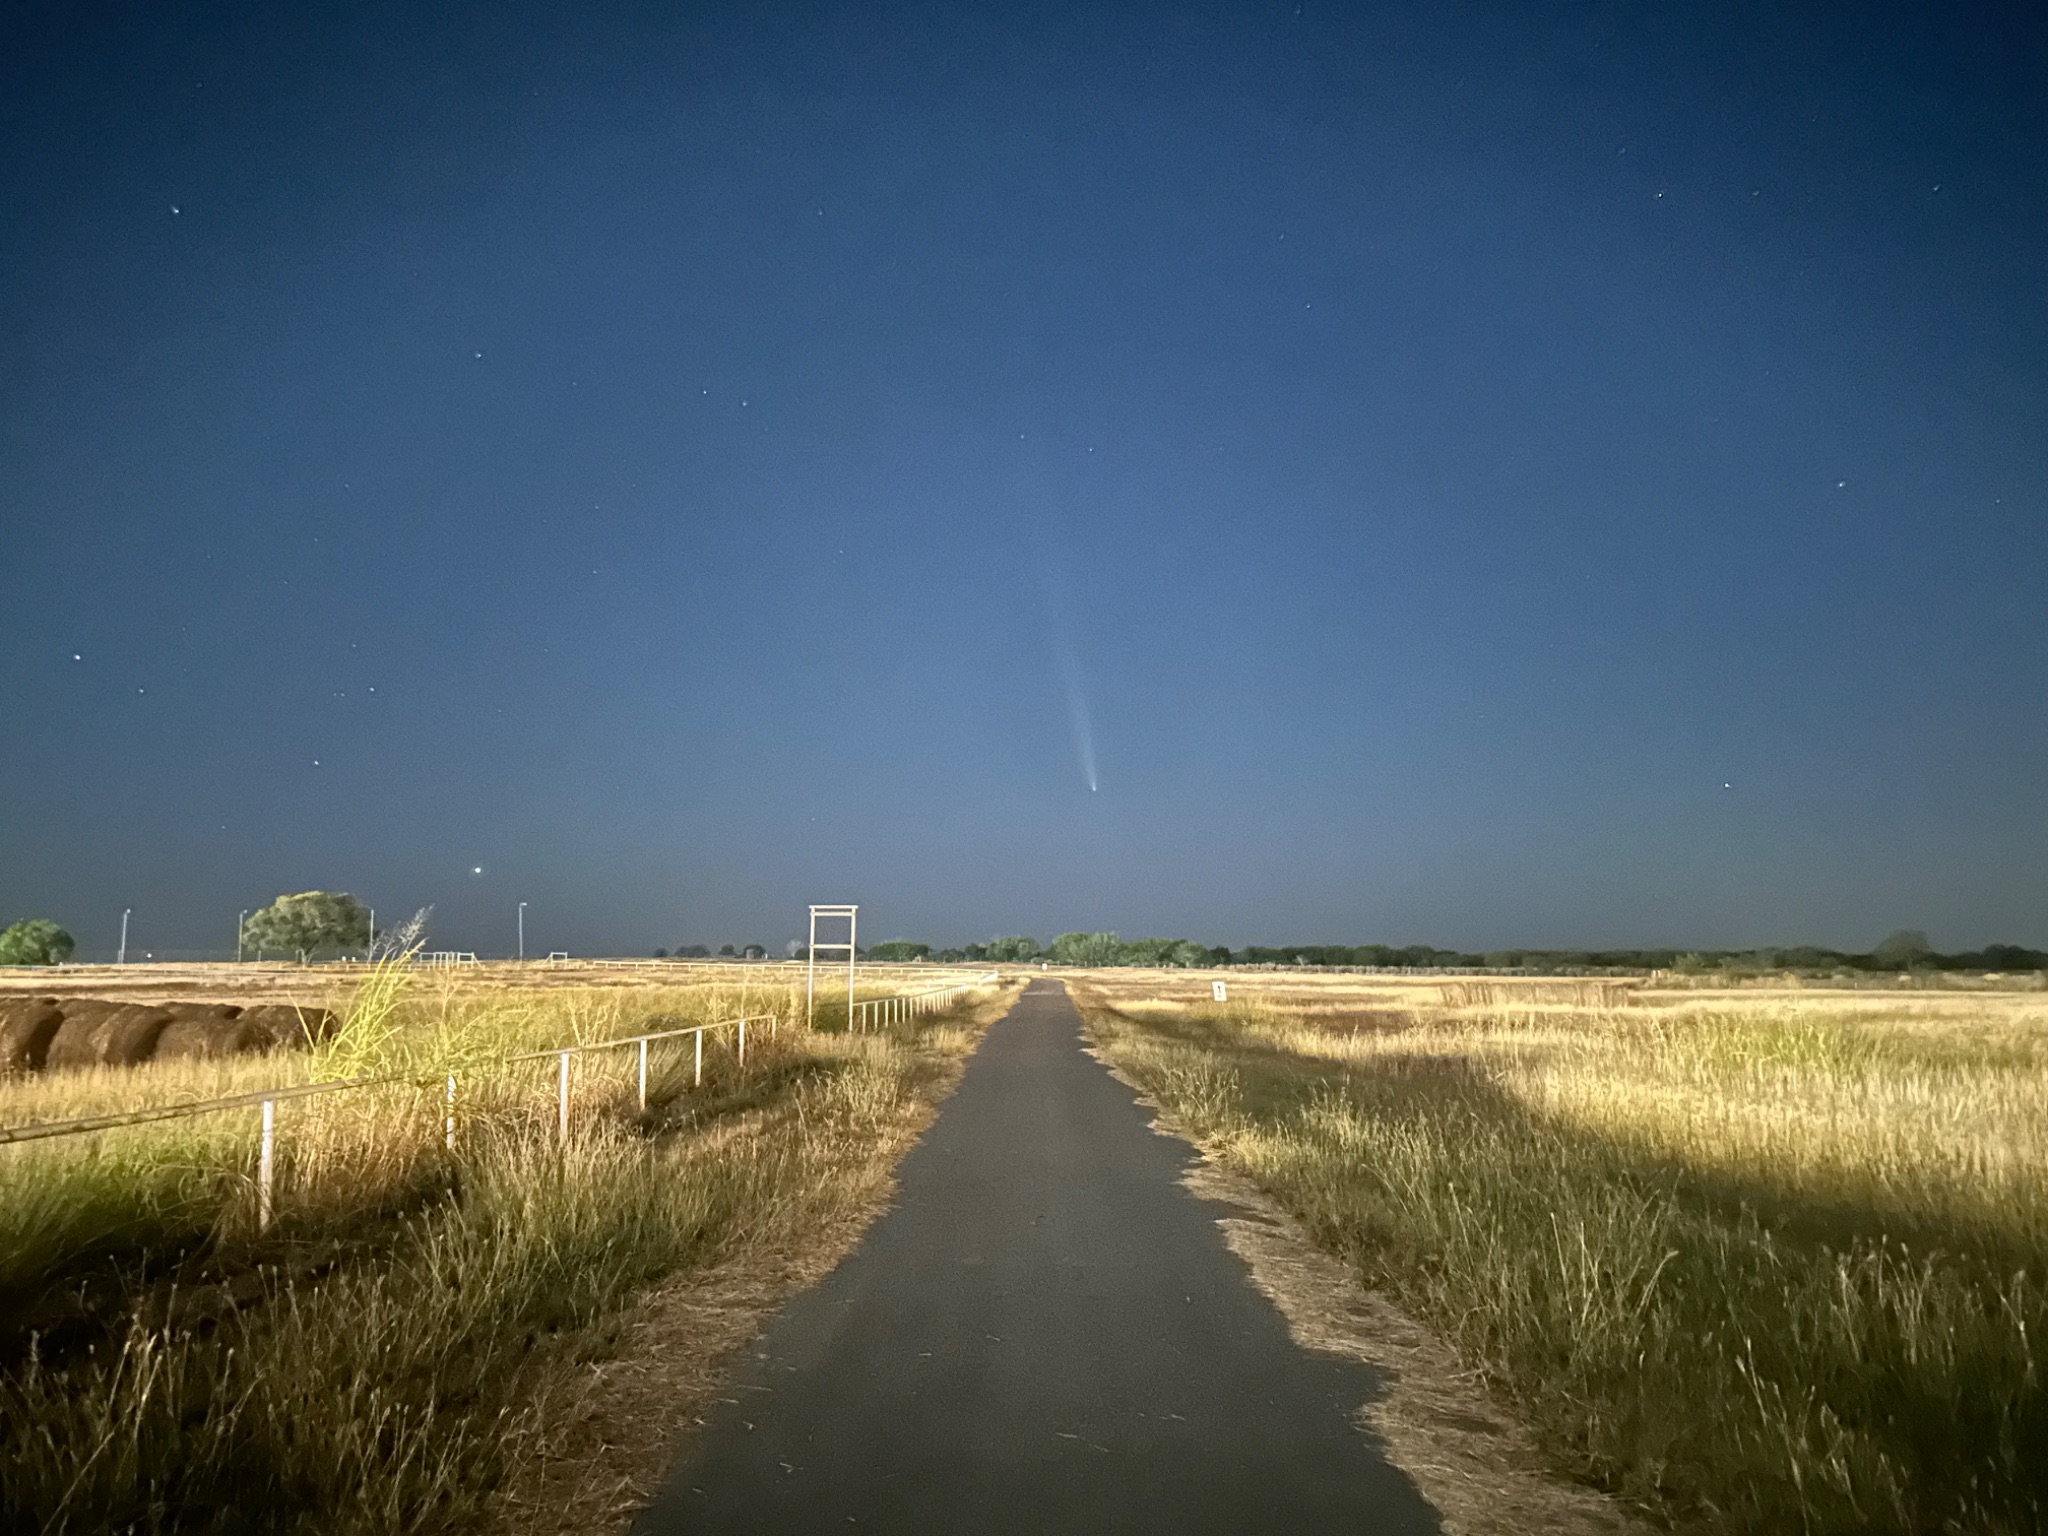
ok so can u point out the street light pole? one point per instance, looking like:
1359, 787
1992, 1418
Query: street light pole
122, 958
370, 949
240, 918
522, 930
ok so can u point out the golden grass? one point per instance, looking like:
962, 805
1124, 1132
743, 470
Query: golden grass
169, 1368
1764, 1259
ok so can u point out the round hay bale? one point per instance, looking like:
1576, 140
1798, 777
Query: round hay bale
78, 1040
291, 1026
102, 1034
192, 1037
130, 1035
25, 1032
203, 1010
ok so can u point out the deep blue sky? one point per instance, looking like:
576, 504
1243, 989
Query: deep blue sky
1545, 474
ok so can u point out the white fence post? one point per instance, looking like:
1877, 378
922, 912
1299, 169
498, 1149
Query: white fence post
265, 1159
700, 1059
562, 1100
448, 1123
743, 1042
643, 1076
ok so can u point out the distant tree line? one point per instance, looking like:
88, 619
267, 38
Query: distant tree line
1905, 950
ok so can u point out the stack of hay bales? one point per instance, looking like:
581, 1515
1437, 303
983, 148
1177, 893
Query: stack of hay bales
55, 1033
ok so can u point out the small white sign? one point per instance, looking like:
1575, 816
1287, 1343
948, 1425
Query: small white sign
1218, 991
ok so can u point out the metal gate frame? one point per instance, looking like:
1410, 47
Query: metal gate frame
811, 959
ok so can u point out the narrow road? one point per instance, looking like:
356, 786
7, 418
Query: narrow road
1046, 1334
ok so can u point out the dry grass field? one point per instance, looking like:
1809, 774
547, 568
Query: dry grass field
365, 1363
1759, 1259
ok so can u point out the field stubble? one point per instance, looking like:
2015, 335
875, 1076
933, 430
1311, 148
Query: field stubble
374, 1362
1757, 1261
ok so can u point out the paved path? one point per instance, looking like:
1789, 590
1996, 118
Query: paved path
1046, 1334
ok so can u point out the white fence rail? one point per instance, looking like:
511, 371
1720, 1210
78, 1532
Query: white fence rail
267, 1099
879, 1011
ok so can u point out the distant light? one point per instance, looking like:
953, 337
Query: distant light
479, 869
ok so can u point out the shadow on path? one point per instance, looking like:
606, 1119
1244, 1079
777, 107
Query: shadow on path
1046, 1333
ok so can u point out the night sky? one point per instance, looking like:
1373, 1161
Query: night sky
1530, 475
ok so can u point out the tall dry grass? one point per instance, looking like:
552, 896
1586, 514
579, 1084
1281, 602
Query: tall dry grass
1761, 1266
360, 1366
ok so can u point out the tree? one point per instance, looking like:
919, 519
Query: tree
308, 923
1086, 949
1013, 950
727, 951
1902, 950
900, 949
35, 941
754, 952
1142, 952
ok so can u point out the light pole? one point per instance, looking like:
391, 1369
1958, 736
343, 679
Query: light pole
522, 930
122, 958
240, 918
370, 949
